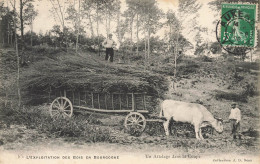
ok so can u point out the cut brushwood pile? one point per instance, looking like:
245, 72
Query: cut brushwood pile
89, 73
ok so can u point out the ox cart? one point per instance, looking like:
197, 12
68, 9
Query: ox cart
134, 105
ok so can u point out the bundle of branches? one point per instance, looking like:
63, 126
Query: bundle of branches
71, 71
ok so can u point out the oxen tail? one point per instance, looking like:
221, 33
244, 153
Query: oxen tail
161, 115
161, 112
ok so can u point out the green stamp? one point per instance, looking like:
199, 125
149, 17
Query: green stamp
238, 25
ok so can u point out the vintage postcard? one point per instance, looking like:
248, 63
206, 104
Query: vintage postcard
129, 81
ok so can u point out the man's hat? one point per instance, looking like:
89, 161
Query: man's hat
233, 103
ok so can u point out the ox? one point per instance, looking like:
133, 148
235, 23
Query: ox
195, 114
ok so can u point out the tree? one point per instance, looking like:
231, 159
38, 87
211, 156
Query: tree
133, 10
24, 4
188, 15
121, 27
17, 54
150, 15
110, 10
7, 25
75, 17
59, 10
88, 7
129, 19
29, 16
61, 36
98, 5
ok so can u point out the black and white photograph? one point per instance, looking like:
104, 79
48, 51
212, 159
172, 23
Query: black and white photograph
129, 81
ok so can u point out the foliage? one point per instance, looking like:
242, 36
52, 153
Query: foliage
205, 58
36, 118
29, 14
189, 6
155, 42
187, 66
249, 90
237, 97
182, 44
200, 49
247, 66
35, 39
215, 48
7, 26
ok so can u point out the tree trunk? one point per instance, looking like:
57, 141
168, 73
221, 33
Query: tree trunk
91, 25
148, 43
175, 54
109, 20
106, 24
18, 64
78, 26
98, 30
63, 24
31, 30
11, 40
137, 36
169, 44
8, 34
119, 28
21, 20
22, 29
145, 49
131, 31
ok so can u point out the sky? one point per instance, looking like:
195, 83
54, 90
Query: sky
45, 21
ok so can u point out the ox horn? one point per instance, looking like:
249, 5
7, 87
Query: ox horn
219, 119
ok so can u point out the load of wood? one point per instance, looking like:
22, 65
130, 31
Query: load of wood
89, 73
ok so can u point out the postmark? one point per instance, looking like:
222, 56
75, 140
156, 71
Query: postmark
236, 30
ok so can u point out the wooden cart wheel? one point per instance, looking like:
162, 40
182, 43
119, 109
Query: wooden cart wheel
135, 123
61, 107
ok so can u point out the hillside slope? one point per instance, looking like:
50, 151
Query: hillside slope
214, 83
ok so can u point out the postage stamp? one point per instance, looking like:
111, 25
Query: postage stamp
238, 25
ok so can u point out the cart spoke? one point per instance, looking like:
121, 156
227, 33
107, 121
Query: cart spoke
133, 118
67, 111
56, 115
65, 104
67, 107
139, 125
65, 114
58, 102
55, 106
61, 101
54, 111
130, 121
140, 121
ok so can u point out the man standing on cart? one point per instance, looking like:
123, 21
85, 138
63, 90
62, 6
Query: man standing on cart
109, 44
